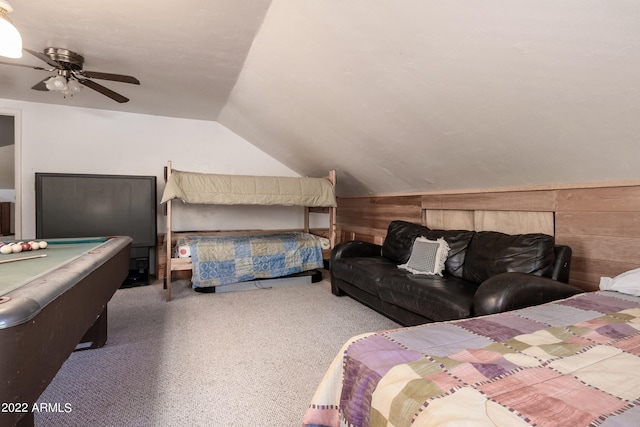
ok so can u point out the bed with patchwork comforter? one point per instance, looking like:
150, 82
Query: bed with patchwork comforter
574, 362
221, 260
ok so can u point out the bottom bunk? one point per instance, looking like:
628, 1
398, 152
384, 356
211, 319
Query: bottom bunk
303, 278
219, 260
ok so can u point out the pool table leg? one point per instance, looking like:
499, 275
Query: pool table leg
96, 335
27, 421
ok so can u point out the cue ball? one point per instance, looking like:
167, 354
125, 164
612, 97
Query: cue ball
43, 244
16, 248
6, 249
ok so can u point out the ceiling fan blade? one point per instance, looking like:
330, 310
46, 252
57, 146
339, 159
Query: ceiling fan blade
103, 90
41, 85
25, 66
44, 58
109, 76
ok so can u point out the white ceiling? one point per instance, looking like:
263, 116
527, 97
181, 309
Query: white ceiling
397, 95
187, 55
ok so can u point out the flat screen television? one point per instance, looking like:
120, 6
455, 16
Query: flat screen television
81, 205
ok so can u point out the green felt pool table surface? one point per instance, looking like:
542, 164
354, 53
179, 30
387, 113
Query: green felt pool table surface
21, 271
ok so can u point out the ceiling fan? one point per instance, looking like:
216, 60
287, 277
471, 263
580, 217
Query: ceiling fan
70, 76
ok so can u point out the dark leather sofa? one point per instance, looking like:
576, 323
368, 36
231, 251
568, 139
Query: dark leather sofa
486, 272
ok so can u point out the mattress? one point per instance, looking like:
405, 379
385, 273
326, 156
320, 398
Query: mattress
183, 247
201, 188
221, 260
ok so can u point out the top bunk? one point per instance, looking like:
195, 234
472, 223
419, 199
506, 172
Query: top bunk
217, 189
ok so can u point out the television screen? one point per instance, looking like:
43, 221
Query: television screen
79, 205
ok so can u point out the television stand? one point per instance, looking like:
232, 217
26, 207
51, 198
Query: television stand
138, 268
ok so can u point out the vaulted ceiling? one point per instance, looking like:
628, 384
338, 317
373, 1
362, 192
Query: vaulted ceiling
397, 95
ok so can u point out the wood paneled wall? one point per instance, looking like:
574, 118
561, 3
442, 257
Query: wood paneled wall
601, 223
367, 219
602, 226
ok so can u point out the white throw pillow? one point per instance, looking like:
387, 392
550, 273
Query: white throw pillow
427, 256
626, 283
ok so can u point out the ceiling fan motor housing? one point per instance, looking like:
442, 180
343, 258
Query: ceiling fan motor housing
65, 57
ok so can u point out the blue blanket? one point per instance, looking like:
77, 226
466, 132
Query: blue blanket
231, 259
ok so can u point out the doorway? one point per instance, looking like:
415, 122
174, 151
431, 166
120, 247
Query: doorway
10, 174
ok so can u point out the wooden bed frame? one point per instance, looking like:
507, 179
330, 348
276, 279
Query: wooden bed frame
181, 264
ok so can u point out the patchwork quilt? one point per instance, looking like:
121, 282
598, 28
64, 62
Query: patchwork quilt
230, 259
573, 362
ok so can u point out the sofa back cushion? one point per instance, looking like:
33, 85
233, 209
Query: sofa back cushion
491, 253
399, 240
458, 241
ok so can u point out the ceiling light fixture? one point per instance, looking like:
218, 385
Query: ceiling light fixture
10, 39
64, 85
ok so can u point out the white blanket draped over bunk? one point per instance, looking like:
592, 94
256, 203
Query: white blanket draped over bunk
201, 188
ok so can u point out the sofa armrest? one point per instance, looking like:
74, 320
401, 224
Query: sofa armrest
355, 248
511, 291
350, 249
562, 263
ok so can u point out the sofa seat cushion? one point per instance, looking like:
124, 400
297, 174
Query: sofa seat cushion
362, 272
437, 298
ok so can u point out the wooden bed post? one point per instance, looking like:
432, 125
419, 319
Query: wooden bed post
306, 219
333, 177
167, 238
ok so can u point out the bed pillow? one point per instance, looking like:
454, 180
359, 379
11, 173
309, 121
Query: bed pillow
626, 283
427, 256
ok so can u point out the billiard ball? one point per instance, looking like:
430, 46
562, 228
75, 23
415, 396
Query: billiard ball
34, 246
43, 244
6, 249
16, 248
26, 247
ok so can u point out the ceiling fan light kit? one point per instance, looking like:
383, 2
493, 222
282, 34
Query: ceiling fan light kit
56, 83
66, 86
10, 39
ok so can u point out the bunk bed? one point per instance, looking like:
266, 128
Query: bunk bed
206, 251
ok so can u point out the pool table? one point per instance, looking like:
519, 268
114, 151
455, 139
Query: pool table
48, 305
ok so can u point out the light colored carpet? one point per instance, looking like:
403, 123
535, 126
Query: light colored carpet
248, 358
